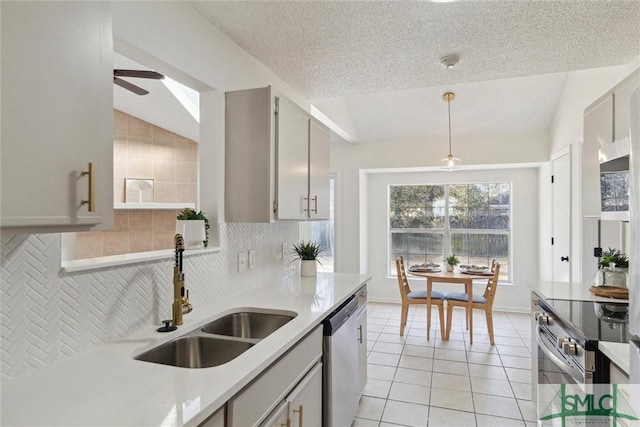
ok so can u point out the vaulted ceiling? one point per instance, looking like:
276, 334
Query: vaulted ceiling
375, 65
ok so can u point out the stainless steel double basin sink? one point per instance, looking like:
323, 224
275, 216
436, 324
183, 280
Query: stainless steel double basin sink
220, 340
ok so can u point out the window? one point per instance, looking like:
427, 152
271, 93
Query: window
428, 222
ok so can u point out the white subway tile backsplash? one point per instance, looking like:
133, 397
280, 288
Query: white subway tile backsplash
47, 315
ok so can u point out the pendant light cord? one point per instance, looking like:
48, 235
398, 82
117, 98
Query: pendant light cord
449, 110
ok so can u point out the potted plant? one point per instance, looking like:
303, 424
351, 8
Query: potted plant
308, 253
615, 257
194, 227
452, 260
614, 265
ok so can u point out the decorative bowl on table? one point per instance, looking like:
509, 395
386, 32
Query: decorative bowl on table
428, 267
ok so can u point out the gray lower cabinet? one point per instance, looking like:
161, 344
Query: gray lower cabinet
215, 420
303, 406
291, 386
280, 416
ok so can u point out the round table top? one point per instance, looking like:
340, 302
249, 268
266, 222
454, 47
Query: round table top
454, 275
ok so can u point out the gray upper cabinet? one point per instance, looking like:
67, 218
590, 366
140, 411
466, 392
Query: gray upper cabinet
277, 159
292, 165
606, 122
319, 172
57, 116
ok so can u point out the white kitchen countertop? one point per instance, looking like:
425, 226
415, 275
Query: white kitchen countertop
106, 386
617, 352
570, 291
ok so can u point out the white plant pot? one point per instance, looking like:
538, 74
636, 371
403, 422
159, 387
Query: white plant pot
193, 232
617, 277
449, 268
308, 268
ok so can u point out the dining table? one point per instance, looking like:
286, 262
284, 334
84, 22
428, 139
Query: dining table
456, 276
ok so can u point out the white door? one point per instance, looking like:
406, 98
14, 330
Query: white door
561, 212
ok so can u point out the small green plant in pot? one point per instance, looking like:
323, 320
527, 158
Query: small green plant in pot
613, 269
614, 256
195, 234
308, 254
452, 260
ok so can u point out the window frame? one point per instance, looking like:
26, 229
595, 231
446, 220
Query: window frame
446, 230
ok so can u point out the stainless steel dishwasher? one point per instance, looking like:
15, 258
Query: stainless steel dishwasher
340, 391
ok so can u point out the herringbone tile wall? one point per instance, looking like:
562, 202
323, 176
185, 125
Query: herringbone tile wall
47, 314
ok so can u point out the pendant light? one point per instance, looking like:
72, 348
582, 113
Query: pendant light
450, 163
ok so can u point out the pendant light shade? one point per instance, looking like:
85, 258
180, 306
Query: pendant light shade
450, 163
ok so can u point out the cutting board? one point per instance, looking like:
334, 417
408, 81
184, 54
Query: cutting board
610, 291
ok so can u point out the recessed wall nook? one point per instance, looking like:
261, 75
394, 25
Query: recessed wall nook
144, 151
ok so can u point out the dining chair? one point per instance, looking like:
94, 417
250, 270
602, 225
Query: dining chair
493, 268
416, 297
481, 302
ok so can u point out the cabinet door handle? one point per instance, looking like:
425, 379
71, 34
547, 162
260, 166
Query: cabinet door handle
308, 209
92, 187
360, 334
315, 204
299, 411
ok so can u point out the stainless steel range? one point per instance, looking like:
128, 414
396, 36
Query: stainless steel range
567, 334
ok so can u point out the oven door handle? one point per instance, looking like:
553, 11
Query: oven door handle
574, 373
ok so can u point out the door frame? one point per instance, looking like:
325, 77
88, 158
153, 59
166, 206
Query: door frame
556, 155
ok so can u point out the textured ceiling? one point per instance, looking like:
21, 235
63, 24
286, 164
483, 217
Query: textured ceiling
373, 67
336, 48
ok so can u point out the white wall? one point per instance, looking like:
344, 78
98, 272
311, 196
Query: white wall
514, 296
580, 90
350, 159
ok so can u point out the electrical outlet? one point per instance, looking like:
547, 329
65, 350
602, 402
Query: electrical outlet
252, 258
285, 252
242, 262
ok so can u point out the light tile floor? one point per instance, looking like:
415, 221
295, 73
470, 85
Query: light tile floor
435, 383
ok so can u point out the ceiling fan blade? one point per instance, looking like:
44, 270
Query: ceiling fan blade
130, 86
142, 74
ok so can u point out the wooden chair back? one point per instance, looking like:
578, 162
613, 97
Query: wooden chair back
403, 283
492, 284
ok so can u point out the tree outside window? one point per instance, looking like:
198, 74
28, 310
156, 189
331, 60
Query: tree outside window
428, 222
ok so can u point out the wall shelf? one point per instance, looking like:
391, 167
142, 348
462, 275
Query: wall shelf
156, 206
135, 258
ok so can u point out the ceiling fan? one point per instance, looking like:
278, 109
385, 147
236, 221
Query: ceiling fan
140, 74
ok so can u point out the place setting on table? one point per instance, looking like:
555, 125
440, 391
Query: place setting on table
478, 270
